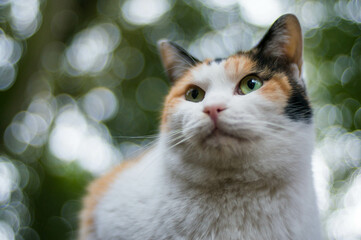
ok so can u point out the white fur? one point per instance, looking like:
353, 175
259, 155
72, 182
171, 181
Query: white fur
252, 181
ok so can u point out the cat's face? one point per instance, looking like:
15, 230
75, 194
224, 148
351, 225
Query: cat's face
253, 101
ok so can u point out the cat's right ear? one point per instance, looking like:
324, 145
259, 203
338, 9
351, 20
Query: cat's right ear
175, 59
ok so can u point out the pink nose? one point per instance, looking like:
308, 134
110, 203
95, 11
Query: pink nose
213, 111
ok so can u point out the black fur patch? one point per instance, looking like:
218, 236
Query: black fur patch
216, 60
274, 64
298, 107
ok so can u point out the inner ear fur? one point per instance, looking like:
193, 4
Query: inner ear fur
176, 60
284, 40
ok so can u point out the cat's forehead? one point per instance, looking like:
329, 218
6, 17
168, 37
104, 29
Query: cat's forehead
222, 71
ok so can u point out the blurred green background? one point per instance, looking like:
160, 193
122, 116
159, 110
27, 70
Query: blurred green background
81, 88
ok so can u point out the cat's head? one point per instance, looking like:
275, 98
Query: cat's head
251, 102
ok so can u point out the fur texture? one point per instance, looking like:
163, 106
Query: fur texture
242, 171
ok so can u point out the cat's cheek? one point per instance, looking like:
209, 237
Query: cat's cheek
170, 107
173, 115
189, 118
190, 112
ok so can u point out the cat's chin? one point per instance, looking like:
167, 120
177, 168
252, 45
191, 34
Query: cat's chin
219, 137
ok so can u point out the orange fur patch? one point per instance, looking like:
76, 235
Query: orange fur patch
277, 89
96, 191
207, 60
237, 66
294, 47
175, 95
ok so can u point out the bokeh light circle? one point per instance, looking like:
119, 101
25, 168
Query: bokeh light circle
100, 104
141, 12
7, 76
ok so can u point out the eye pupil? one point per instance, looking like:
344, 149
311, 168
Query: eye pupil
251, 83
194, 93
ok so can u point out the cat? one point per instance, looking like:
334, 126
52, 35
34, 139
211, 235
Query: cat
233, 157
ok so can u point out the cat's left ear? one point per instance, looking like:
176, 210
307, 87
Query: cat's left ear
284, 40
175, 59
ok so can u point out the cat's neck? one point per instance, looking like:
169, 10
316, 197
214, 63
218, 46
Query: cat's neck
211, 171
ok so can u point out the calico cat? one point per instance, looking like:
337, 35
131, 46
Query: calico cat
233, 157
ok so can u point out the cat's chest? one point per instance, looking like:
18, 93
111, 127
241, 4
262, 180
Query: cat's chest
164, 210
214, 214
226, 214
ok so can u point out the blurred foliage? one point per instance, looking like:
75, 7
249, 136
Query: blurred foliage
81, 89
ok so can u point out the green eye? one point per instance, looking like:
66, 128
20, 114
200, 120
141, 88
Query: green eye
195, 94
249, 84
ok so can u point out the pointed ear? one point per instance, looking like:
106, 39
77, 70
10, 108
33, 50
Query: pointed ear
176, 60
284, 40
